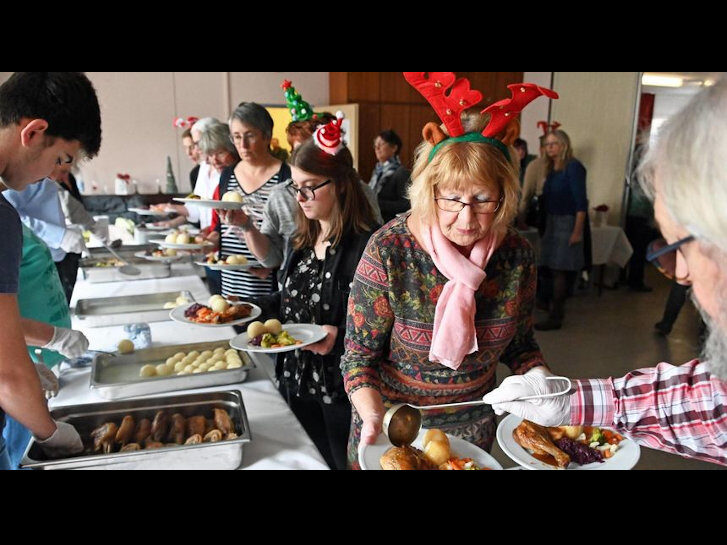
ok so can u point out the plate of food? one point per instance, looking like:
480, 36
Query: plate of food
565, 447
182, 246
232, 200
218, 313
164, 256
432, 449
147, 212
272, 337
234, 262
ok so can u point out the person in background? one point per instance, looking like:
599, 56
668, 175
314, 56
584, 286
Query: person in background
446, 292
334, 222
677, 409
521, 147
531, 210
562, 248
192, 151
46, 118
39, 207
281, 154
390, 179
254, 177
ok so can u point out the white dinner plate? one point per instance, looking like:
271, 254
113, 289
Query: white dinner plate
625, 457
308, 333
147, 212
177, 315
175, 246
226, 267
208, 203
369, 455
158, 228
162, 259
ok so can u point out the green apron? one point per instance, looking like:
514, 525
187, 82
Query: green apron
40, 293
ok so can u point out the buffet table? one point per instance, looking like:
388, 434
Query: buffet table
278, 439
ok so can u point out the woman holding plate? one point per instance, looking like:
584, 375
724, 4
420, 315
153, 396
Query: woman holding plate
335, 221
445, 293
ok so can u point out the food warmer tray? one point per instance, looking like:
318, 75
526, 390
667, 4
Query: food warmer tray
117, 377
124, 309
148, 269
85, 418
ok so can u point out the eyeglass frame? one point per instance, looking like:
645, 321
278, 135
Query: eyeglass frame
295, 191
653, 257
498, 201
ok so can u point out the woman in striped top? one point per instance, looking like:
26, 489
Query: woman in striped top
258, 172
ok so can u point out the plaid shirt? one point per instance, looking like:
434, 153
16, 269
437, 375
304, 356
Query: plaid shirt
682, 410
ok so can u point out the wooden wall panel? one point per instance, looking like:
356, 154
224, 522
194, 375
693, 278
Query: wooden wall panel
363, 87
369, 116
396, 117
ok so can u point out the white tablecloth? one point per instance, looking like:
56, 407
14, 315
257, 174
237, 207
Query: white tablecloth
610, 246
278, 439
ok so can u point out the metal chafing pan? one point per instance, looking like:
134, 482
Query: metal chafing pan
85, 418
149, 269
149, 307
117, 377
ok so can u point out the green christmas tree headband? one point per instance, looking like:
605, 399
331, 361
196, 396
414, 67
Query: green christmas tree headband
499, 132
299, 109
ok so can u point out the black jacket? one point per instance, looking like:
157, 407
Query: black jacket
392, 195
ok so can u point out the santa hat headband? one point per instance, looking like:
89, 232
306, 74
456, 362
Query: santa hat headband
182, 123
502, 128
329, 137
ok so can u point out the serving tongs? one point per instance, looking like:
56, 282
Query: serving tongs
403, 421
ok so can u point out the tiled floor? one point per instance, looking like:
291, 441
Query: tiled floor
613, 334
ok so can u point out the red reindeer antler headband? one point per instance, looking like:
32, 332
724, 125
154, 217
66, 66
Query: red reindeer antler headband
183, 123
544, 125
433, 85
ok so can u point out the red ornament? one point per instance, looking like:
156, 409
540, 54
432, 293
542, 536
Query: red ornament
286, 84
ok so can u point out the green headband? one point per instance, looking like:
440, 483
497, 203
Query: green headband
471, 137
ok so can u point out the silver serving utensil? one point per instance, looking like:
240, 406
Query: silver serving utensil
126, 269
403, 421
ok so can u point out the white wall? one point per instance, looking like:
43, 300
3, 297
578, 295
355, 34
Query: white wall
138, 109
536, 111
597, 111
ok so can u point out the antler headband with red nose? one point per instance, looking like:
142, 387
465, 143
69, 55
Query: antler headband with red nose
499, 132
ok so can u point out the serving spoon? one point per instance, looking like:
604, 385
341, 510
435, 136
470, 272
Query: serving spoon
403, 421
126, 268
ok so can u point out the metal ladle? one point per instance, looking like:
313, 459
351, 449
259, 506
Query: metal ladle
403, 421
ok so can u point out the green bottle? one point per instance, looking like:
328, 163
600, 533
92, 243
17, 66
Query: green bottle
171, 182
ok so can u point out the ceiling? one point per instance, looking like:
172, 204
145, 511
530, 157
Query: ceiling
692, 84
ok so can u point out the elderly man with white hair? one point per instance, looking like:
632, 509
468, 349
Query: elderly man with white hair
678, 409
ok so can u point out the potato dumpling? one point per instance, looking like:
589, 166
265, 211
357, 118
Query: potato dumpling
171, 238
234, 364
183, 239
230, 351
214, 298
273, 326
125, 346
232, 357
205, 366
572, 432
219, 350
148, 370
232, 196
218, 365
198, 370
193, 354
179, 366
170, 252
163, 370
219, 305
181, 300
437, 452
169, 305
206, 354
179, 355
171, 361
255, 329
435, 435
188, 369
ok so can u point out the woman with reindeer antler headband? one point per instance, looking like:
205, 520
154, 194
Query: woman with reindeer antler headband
443, 294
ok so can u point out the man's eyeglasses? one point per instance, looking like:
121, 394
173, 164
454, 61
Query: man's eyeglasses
308, 193
663, 256
479, 207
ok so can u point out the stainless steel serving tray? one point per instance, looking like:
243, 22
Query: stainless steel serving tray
124, 309
148, 269
85, 418
117, 377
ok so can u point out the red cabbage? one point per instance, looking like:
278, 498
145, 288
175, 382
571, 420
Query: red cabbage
578, 452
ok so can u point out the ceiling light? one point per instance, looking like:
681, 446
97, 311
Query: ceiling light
661, 81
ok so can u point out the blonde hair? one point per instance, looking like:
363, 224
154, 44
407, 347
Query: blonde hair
566, 153
463, 164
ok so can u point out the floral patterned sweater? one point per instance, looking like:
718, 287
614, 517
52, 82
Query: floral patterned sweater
389, 328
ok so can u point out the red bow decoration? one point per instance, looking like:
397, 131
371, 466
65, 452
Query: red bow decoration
502, 111
548, 128
182, 123
432, 86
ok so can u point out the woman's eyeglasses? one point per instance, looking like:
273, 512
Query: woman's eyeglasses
479, 207
663, 256
308, 193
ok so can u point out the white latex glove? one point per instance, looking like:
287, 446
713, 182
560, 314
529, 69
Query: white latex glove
68, 342
65, 441
48, 380
73, 242
553, 411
